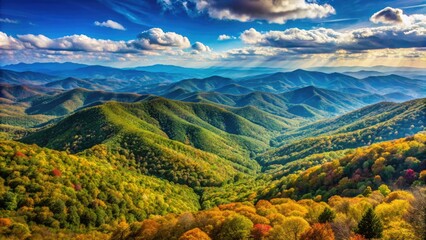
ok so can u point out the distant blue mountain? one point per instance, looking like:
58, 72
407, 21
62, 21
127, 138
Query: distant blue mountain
49, 67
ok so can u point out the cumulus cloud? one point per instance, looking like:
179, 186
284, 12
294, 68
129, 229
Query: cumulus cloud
224, 37
110, 24
73, 43
199, 47
152, 40
396, 16
156, 38
9, 42
153, 43
389, 16
323, 40
274, 11
8, 20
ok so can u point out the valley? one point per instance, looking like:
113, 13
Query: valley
93, 152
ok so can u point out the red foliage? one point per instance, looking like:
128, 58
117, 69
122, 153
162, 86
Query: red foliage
19, 154
56, 172
77, 187
260, 230
410, 175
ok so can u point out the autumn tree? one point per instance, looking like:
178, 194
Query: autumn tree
260, 231
318, 232
195, 234
290, 229
236, 227
370, 225
417, 212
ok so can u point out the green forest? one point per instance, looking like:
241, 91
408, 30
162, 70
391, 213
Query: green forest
92, 164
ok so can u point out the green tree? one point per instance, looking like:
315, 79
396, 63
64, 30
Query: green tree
73, 217
236, 228
89, 217
370, 225
10, 201
367, 191
327, 215
384, 190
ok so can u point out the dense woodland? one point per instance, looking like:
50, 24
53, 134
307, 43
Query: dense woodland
95, 191
212, 158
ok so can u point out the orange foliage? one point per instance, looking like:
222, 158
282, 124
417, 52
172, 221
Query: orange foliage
195, 234
20, 154
4, 222
148, 229
357, 237
56, 172
318, 232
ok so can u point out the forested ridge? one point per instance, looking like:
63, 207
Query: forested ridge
210, 158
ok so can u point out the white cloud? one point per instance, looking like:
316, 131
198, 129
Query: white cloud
9, 42
396, 16
73, 43
323, 40
110, 24
156, 38
153, 42
199, 47
8, 20
224, 37
273, 11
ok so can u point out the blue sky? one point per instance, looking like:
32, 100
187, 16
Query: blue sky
186, 32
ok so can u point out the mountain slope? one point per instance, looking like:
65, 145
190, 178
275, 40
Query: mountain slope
394, 83
161, 135
20, 92
307, 102
72, 83
384, 121
34, 78
65, 190
67, 102
397, 163
198, 85
282, 82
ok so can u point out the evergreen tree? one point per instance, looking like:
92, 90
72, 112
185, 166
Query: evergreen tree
326, 216
370, 225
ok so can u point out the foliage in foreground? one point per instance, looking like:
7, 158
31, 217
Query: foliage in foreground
49, 188
361, 217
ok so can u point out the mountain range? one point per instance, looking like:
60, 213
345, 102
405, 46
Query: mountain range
122, 152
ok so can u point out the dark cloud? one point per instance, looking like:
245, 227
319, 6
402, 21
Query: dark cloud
389, 16
274, 11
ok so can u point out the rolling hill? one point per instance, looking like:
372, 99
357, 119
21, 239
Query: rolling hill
20, 92
33, 78
68, 102
72, 83
379, 122
71, 191
161, 134
286, 81
307, 102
